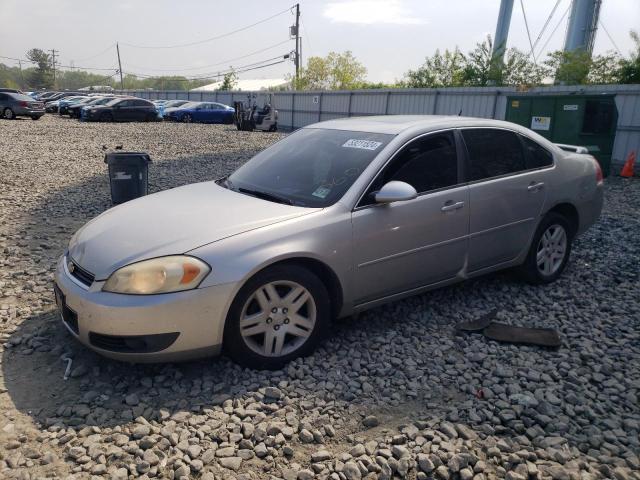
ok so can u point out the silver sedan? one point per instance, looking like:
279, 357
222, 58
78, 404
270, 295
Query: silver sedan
336, 218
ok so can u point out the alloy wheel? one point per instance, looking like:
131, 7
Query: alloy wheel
551, 250
278, 318
8, 114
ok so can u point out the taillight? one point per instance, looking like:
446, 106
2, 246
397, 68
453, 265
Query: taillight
23, 103
599, 176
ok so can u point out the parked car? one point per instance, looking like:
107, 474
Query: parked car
336, 218
175, 103
122, 110
201, 112
10, 90
168, 110
75, 111
63, 104
14, 105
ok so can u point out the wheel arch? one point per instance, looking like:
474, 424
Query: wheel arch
570, 212
320, 269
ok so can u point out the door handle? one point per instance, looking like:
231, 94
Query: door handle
450, 206
533, 187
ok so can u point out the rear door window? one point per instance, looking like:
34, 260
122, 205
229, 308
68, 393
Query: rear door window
492, 153
536, 156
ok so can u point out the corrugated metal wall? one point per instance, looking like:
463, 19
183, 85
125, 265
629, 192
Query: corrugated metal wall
297, 109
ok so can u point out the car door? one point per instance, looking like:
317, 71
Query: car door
139, 110
120, 110
506, 197
406, 245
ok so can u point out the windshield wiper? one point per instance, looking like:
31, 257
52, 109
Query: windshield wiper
273, 197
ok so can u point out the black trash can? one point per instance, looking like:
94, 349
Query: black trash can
128, 175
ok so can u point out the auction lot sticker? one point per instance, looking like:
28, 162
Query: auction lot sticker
363, 144
540, 123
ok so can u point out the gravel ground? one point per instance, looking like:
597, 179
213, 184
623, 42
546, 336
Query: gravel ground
392, 393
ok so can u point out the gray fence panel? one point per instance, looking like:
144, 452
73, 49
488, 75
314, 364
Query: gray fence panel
335, 102
411, 104
368, 104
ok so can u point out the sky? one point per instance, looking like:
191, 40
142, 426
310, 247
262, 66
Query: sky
388, 36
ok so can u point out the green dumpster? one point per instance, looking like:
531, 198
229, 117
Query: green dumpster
585, 120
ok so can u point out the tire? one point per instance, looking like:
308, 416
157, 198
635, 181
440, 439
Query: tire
273, 128
549, 251
35, 117
106, 117
186, 118
272, 318
8, 114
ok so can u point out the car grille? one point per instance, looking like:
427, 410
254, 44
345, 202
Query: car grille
80, 274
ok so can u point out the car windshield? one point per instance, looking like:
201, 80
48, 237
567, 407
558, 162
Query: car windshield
312, 167
113, 101
190, 105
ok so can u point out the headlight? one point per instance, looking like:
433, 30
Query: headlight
159, 275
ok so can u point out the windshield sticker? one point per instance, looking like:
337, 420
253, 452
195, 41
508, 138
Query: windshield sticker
363, 144
321, 192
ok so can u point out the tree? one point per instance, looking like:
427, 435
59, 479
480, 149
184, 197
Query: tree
481, 69
519, 69
230, 80
42, 75
440, 70
604, 69
630, 67
569, 68
336, 71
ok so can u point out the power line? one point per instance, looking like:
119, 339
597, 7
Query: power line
98, 54
217, 75
546, 24
211, 39
556, 28
306, 37
610, 38
57, 65
214, 64
526, 24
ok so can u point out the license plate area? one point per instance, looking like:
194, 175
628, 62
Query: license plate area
68, 316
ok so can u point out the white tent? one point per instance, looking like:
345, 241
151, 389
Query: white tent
247, 85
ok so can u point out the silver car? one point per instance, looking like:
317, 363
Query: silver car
14, 105
335, 218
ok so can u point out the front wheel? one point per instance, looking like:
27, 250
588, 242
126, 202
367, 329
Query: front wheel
280, 314
549, 251
106, 117
187, 118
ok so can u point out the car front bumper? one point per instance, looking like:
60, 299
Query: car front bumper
143, 328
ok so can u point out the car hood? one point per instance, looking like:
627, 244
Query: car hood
171, 222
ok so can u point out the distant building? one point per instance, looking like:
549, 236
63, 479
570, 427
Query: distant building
97, 88
248, 85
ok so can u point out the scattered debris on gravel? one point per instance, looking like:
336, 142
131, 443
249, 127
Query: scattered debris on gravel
393, 393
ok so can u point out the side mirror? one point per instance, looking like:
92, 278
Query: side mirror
395, 191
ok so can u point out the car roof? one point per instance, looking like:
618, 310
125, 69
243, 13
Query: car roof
395, 124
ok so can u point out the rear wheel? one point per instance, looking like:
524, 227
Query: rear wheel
8, 114
35, 117
280, 314
549, 251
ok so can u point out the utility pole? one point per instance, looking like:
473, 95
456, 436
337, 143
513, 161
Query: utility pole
297, 44
21, 75
53, 63
120, 67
